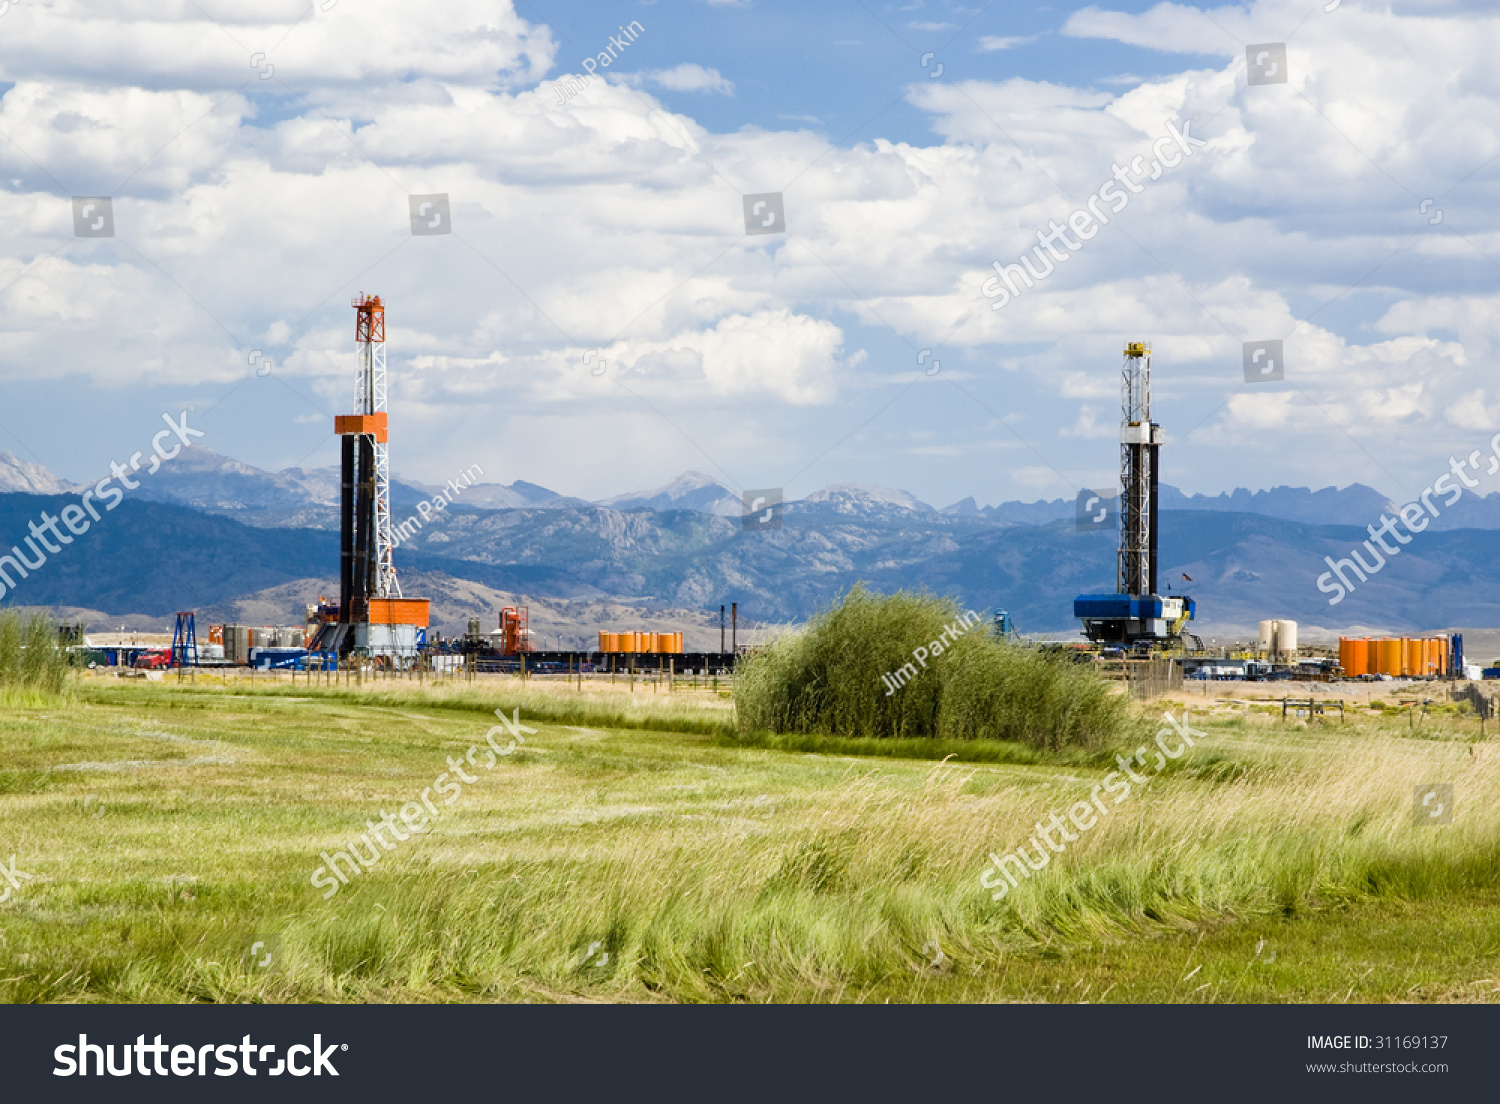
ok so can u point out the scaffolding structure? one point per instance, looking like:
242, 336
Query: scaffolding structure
184, 641
1140, 445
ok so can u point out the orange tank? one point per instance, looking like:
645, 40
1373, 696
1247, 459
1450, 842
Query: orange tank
1436, 656
1352, 653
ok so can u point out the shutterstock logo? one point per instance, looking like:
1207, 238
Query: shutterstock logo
1264, 362
1266, 63
1096, 510
765, 213
93, 217
761, 509
430, 214
193, 1061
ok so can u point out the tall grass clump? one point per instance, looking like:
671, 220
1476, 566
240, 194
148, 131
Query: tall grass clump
33, 662
826, 679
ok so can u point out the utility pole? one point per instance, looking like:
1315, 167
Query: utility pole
734, 630
721, 630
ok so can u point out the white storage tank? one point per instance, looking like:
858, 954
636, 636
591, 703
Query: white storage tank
1278, 638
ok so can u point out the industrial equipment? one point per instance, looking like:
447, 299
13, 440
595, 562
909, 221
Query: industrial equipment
372, 617
1400, 657
1136, 614
515, 630
1278, 639
184, 641
640, 643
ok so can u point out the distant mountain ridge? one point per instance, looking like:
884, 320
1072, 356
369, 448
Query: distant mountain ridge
689, 491
21, 475
308, 498
153, 558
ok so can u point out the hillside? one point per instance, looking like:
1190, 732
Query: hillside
155, 558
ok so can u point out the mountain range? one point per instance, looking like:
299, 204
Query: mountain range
207, 532
303, 498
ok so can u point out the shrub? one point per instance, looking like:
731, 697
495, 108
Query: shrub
31, 656
826, 678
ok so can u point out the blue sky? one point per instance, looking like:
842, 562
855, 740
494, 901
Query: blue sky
842, 67
260, 165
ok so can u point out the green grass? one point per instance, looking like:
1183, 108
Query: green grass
167, 827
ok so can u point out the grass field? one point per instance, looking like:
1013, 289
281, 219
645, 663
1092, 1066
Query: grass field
634, 848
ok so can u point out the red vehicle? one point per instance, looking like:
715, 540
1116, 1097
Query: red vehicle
154, 660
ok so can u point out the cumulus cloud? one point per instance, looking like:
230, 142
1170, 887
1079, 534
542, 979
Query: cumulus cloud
217, 44
248, 209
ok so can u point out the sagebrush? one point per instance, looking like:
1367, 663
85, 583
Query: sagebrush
827, 678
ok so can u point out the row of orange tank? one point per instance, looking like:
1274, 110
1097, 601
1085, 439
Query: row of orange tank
1399, 656
637, 643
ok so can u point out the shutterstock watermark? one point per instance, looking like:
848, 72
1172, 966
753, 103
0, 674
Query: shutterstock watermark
11, 879
1413, 516
1096, 510
76, 515
1086, 220
895, 680
193, 1060
1432, 804
1010, 869
417, 815
761, 509
429, 506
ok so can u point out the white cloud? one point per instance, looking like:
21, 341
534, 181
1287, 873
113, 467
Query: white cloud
209, 45
1087, 425
689, 77
246, 220
991, 43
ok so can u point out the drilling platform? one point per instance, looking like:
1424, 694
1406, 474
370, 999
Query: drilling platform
372, 618
1136, 615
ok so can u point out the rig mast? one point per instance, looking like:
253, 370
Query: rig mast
1140, 445
369, 400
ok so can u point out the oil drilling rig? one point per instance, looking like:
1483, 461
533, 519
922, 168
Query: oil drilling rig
1136, 615
372, 618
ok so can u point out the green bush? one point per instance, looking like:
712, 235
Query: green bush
31, 656
826, 678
